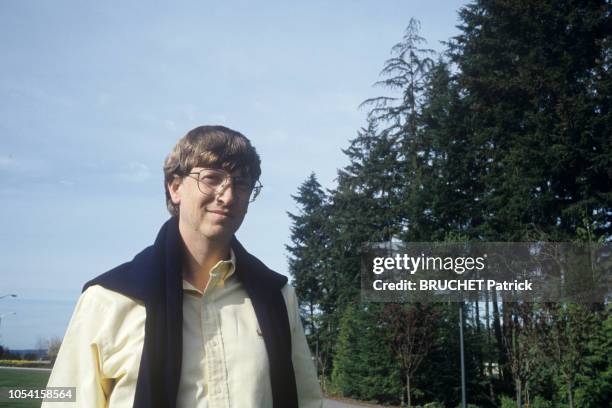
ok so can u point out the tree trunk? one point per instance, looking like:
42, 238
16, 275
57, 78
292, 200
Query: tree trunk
481, 368
498, 335
408, 390
519, 396
323, 382
315, 332
507, 325
489, 356
570, 394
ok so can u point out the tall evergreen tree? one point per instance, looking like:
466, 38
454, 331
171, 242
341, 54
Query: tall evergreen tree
531, 76
509, 140
530, 72
407, 73
308, 241
366, 366
307, 260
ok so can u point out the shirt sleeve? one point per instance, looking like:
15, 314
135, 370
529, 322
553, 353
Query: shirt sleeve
308, 388
78, 362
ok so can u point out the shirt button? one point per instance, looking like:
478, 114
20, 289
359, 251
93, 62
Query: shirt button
213, 343
219, 389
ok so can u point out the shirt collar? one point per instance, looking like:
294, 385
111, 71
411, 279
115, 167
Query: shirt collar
218, 274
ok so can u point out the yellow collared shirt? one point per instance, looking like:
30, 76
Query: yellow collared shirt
225, 363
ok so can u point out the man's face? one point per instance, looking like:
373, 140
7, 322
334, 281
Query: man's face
216, 215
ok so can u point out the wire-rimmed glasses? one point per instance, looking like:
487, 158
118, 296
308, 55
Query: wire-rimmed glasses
215, 181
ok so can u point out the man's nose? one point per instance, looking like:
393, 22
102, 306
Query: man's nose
225, 192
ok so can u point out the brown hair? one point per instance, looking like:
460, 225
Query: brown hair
210, 146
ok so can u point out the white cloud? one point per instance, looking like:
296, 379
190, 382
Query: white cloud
135, 172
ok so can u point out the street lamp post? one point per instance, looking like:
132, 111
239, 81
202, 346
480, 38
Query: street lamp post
463, 391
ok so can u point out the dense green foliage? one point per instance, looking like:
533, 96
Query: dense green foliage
369, 376
507, 136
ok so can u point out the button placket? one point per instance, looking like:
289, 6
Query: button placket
214, 351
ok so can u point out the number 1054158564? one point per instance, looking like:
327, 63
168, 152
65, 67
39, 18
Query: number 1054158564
64, 394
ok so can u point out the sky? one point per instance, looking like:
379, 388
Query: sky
95, 95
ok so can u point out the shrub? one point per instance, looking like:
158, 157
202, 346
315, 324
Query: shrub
24, 363
539, 402
507, 402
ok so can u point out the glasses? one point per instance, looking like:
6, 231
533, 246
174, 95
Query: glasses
215, 181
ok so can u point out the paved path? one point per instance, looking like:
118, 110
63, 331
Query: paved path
336, 404
328, 403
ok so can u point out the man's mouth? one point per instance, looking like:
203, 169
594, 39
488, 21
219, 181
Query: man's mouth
223, 213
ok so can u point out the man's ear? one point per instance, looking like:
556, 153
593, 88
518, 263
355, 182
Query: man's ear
174, 190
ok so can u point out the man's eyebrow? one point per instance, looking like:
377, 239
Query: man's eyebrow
242, 172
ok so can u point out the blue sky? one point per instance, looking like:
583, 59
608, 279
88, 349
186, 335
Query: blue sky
95, 94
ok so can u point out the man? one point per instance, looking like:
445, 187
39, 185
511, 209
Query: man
193, 320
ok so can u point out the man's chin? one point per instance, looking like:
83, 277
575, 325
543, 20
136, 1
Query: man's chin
217, 234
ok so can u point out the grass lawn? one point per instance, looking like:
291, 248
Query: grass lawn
12, 378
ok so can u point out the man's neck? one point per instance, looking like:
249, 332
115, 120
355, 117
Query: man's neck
201, 254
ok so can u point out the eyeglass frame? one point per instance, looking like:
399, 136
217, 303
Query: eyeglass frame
256, 185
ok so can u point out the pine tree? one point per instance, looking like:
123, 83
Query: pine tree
307, 261
594, 382
508, 140
365, 366
530, 72
407, 72
532, 75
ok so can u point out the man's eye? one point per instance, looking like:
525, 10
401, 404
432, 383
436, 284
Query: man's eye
212, 179
242, 184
